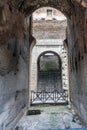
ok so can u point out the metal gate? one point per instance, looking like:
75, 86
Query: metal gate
44, 97
49, 81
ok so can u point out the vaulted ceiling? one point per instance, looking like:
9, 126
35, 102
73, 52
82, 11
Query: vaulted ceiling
29, 6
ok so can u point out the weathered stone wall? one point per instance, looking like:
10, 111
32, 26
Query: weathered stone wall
14, 53
77, 38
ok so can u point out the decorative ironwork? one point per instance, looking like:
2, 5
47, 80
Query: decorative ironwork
54, 97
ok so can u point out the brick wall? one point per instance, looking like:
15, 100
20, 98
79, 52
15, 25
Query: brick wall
49, 29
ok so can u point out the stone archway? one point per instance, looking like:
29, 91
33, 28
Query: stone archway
41, 48
63, 6
49, 71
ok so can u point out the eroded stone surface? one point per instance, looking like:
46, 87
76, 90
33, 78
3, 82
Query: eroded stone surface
57, 117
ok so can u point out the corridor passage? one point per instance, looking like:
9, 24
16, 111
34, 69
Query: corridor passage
51, 118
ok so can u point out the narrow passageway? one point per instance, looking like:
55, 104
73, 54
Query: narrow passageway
49, 56
51, 118
29, 30
49, 75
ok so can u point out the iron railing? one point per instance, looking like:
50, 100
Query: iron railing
49, 97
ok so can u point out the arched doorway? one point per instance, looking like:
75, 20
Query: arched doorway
49, 72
